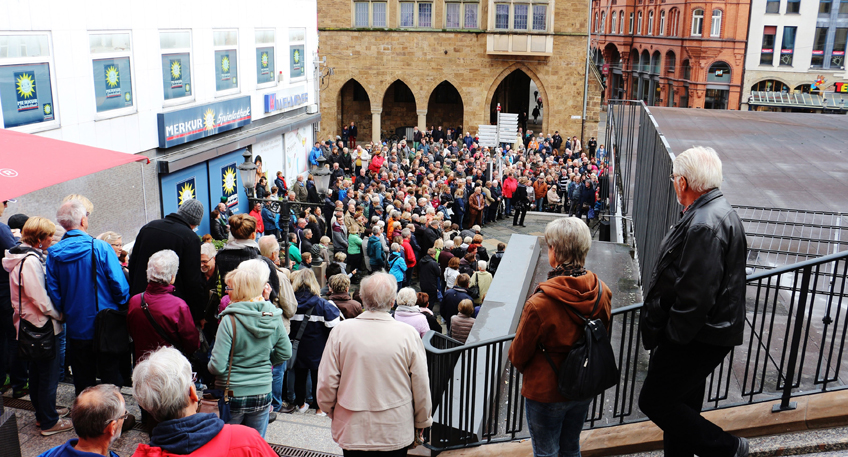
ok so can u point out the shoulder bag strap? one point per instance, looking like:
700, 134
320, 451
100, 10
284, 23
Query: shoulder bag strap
21, 294
94, 276
156, 326
585, 320
230, 363
302, 327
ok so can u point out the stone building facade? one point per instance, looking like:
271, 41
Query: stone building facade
396, 65
684, 53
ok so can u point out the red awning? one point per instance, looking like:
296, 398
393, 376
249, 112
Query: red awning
31, 162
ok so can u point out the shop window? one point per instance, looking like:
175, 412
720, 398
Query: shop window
225, 45
793, 6
265, 58
297, 53
715, 24
176, 66
767, 51
772, 6
837, 58
111, 55
787, 48
26, 83
697, 22
770, 85
819, 40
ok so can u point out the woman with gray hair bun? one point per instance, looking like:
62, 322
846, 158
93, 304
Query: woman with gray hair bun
373, 380
548, 329
157, 318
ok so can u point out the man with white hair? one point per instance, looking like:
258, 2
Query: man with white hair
79, 297
373, 380
162, 386
694, 311
99, 414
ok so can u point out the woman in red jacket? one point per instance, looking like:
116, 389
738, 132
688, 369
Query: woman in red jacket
509, 186
376, 161
555, 421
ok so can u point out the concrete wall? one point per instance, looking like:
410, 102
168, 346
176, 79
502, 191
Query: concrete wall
125, 198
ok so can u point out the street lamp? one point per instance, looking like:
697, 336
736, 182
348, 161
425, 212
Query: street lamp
247, 170
322, 176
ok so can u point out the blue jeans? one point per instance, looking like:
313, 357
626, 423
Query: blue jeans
61, 341
277, 385
508, 205
257, 420
43, 381
555, 427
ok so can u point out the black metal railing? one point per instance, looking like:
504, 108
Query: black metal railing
794, 344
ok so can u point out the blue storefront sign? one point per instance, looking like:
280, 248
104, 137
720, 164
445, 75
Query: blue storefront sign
179, 127
286, 100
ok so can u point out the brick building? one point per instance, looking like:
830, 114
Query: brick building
398, 64
685, 53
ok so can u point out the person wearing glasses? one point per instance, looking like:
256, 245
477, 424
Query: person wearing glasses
98, 414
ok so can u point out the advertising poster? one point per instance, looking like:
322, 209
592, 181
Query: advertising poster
182, 126
26, 94
298, 145
226, 69
229, 184
296, 61
186, 190
225, 182
265, 65
182, 185
269, 153
176, 75
112, 84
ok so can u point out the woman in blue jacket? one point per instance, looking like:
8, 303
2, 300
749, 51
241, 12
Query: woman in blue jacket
397, 264
459, 207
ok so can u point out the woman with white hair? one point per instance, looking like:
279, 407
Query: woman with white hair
373, 378
408, 311
156, 317
548, 325
252, 335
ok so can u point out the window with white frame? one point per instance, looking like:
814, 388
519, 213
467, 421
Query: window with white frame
595, 28
266, 75
630, 26
651, 23
425, 15
697, 22
521, 16
225, 46
361, 13
111, 60
613, 23
297, 53
715, 25
378, 14
621, 24
175, 47
407, 14
662, 23
416, 14
674, 22
639, 23
604, 22
26, 82
461, 15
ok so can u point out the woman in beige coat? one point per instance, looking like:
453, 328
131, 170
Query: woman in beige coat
380, 401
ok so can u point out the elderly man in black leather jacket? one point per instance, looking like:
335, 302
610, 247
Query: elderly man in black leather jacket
694, 310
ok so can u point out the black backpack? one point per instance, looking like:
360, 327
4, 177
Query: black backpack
590, 368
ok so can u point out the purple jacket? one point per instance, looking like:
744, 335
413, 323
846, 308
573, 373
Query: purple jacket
170, 312
412, 316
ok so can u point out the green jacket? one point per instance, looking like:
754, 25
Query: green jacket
261, 341
354, 244
294, 254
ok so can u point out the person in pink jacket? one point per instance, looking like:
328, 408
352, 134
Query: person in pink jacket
509, 186
408, 311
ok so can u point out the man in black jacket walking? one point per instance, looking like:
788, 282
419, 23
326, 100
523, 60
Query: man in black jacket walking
175, 232
694, 311
428, 276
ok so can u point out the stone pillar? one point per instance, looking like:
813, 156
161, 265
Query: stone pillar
422, 119
375, 124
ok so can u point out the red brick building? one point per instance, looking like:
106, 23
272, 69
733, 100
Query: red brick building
672, 52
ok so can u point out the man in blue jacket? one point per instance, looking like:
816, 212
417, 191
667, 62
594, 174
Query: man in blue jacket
69, 284
314, 154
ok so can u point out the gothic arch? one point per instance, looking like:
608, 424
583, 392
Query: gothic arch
532, 74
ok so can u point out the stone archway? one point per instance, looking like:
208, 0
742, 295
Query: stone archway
522, 77
445, 107
399, 110
354, 104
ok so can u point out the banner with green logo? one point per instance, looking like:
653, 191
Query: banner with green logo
112, 84
296, 61
226, 69
265, 65
26, 94
176, 75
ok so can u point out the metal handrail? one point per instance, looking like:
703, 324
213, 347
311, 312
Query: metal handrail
797, 266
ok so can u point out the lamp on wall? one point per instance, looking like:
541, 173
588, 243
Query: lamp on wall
247, 171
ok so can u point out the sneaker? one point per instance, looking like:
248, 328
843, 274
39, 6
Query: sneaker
320, 413
21, 392
63, 412
62, 426
286, 408
6, 385
303, 408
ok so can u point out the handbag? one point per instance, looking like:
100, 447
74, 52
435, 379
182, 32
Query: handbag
589, 368
296, 341
224, 402
35, 344
111, 335
474, 290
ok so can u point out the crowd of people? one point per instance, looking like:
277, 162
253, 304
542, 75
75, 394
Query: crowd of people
243, 326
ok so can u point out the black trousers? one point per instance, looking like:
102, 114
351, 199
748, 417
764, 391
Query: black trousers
396, 453
520, 211
300, 375
86, 364
672, 397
